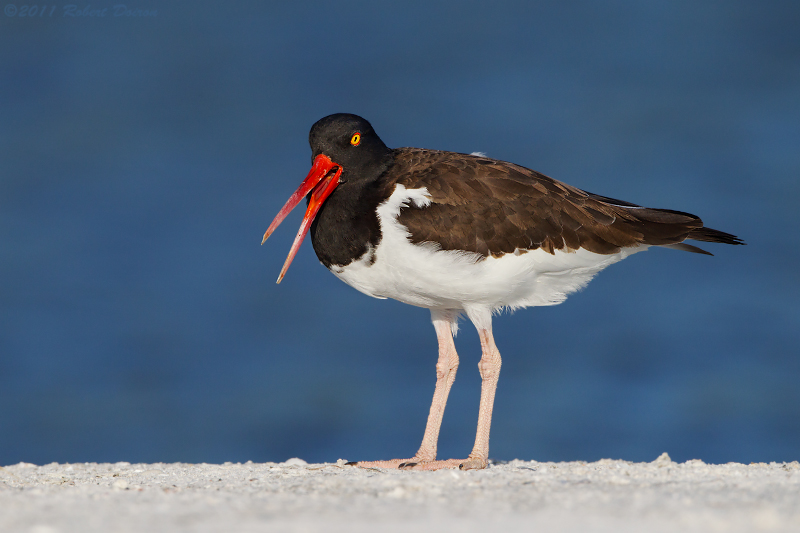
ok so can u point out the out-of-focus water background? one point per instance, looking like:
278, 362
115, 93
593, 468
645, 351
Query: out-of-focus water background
142, 158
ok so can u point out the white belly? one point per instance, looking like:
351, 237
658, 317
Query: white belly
423, 275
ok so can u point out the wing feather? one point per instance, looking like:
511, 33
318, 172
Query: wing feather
491, 207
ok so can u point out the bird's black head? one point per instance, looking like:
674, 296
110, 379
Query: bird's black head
344, 149
351, 143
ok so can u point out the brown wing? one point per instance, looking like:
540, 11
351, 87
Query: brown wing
492, 207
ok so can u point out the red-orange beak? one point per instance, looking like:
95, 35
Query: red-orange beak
321, 181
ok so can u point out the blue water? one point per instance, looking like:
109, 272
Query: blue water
143, 158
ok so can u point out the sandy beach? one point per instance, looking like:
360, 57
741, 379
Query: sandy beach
608, 495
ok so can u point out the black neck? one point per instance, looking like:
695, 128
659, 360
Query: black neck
347, 224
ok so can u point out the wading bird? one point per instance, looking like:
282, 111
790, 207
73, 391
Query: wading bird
462, 234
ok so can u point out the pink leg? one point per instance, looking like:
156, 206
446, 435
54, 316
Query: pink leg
445, 376
489, 367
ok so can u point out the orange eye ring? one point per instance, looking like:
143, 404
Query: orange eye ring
355, 140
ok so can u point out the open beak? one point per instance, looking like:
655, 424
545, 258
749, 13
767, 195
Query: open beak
321, 180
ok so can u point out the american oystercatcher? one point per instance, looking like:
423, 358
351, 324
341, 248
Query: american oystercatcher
462, 235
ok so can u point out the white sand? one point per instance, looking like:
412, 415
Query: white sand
293, 496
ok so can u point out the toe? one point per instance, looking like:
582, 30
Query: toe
473, 463
392, 463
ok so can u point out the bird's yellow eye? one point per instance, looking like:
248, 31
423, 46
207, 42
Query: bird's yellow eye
355, 140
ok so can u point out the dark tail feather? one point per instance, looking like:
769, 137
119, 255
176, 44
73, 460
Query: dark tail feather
665, 227
686, 248
706, 235
712, 235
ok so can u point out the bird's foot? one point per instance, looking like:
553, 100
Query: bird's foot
391, 463
471, 463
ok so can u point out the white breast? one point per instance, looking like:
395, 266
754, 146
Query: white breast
425, 276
